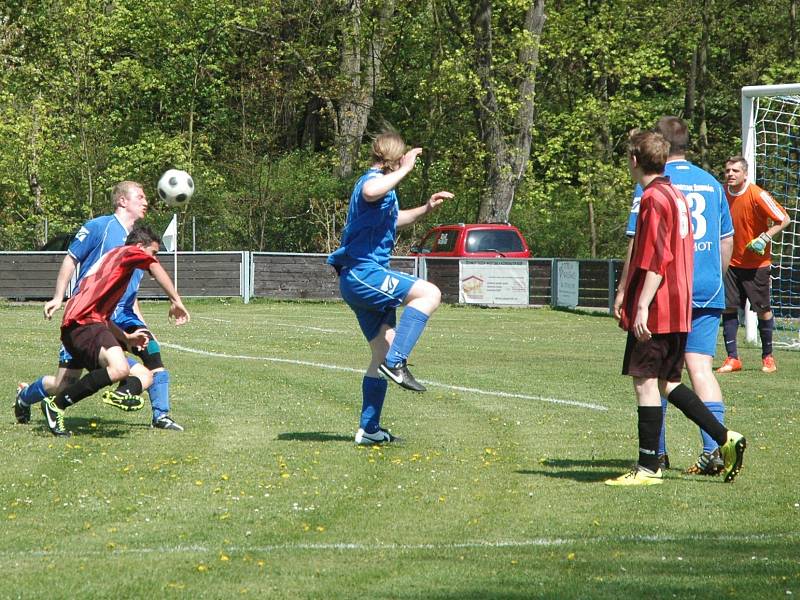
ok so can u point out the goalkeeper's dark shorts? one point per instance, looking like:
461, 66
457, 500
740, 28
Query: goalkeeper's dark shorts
748, 284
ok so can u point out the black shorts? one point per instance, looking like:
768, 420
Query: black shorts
748, 284
660, 357
84, 343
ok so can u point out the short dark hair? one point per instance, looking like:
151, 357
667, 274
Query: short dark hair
650, 150
142, 234
738, 159
676, 132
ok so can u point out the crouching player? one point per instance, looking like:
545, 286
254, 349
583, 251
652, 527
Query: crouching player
87, 333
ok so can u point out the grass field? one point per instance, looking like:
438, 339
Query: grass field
496, 491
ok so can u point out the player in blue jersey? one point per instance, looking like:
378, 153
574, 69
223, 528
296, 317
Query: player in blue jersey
713, 244
95, 238
374, 291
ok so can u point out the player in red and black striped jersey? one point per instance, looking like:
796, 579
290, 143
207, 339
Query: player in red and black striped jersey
88, 334
656, 310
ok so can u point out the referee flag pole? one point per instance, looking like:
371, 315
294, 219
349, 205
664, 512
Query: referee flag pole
170, 239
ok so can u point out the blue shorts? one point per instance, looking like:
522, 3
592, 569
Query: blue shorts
127, 322
702, 338
374, 292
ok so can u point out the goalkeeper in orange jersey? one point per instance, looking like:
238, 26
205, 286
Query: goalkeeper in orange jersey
757, 218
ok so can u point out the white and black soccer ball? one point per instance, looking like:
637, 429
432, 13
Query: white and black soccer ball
175, 187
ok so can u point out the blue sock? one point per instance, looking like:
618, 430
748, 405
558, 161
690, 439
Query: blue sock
662, 439
159, 393
412, 324
373, 392
34, 393
718, 410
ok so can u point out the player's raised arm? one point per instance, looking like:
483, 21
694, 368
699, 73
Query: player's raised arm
177, 310
377, 187
65, 273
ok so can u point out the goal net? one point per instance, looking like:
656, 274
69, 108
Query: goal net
771, 145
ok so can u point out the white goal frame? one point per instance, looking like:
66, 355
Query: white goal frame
750, 96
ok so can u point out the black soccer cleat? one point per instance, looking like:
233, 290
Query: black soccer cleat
401, 376
166, 422
22, 413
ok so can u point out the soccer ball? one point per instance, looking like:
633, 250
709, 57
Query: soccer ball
175, 187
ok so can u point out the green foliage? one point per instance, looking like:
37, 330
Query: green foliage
240, 94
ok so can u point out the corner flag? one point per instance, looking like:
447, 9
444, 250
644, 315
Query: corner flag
170, 237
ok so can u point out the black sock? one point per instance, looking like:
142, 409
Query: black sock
730, 327
690, 405
650, 418
85, 386
765, 327
130, 385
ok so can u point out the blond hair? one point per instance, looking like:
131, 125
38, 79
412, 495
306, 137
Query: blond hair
122, 189
387, 150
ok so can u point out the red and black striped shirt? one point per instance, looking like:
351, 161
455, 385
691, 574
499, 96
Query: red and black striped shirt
663, 244
104, 284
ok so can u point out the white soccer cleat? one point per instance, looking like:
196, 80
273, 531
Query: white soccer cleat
379, 437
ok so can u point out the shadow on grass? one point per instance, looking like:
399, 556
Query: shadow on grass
313, 436
104, 428
579, 470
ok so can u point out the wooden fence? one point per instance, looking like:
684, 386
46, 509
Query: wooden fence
32, 275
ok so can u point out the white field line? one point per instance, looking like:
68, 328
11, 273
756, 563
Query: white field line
309, 327
457, 388
367, 547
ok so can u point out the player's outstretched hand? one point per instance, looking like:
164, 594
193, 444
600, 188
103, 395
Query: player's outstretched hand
178, 313
50, 307
439, 197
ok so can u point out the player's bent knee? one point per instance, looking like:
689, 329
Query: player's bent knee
118, 372
152, 361
143, 374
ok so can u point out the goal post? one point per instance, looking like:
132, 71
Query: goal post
771, 146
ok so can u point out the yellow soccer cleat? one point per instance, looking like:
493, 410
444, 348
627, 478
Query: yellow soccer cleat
732, 455
638, 476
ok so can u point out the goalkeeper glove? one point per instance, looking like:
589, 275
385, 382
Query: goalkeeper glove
759, 244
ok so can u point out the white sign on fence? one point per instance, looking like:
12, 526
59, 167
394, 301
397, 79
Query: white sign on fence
567, 283
494, 281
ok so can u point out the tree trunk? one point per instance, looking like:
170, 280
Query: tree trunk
506, 162
793, 29
361, 79
702, 83
688, 101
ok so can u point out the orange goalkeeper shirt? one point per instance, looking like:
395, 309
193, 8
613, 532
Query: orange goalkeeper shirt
753, 211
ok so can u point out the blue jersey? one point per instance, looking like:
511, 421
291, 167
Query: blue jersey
369, 233
711, 222
93, 240
123, 314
